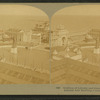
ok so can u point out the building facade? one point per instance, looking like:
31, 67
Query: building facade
59, 37
32, 37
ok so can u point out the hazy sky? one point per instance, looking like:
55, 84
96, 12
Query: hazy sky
20, 10
20, 16
77, 18
80, 10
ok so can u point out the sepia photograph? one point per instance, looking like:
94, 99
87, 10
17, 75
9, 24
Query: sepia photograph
49, 49
24, 45
75, 45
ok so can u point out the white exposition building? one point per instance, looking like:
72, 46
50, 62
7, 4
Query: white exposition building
59, 37
32, 37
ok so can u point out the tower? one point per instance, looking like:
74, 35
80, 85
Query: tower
59, 36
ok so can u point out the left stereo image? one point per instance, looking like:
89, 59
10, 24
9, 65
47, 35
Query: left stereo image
24, 45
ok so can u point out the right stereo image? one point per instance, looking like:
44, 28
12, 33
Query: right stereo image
75, 45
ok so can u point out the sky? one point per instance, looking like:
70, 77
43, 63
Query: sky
77, 18
20, 16
20, 10
80, 10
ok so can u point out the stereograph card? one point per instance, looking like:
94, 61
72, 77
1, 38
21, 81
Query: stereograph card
50, 48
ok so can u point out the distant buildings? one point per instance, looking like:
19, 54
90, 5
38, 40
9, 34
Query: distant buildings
95, 33
42, 29
39, 34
